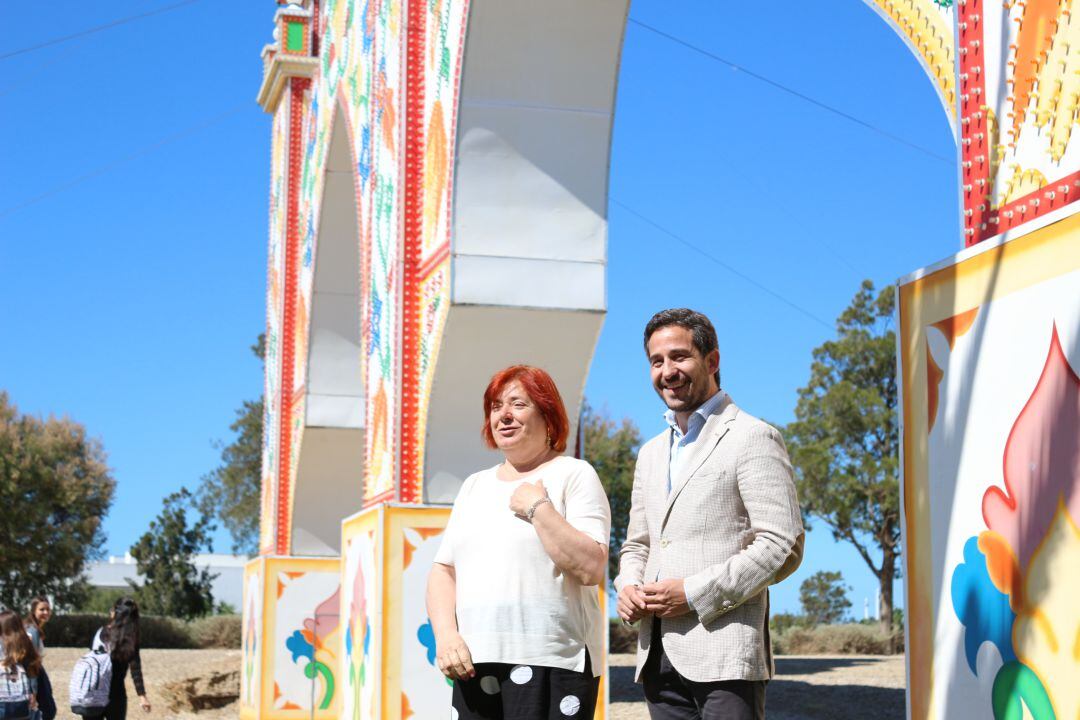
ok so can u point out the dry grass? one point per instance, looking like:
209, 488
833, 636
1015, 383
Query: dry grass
806, 688
847, 687
159, 668
847, 639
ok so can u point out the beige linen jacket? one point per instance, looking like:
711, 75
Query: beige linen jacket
730, 528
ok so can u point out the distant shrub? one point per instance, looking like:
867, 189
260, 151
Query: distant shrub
847, 639
782, 622
217, 631
897, 620
621, 639
166, 633
77, 630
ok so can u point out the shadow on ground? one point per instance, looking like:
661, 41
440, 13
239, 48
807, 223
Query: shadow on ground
790, 699
798, 700
811, 665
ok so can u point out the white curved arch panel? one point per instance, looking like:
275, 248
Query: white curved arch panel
528, 247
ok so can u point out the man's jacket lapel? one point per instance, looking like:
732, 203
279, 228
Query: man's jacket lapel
716, 426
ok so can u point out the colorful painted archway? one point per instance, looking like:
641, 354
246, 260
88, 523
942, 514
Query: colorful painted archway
438, 211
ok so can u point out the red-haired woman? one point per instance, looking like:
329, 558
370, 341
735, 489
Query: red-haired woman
512, 594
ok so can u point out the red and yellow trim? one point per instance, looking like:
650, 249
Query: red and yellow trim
975, 146
410, 482
298, 88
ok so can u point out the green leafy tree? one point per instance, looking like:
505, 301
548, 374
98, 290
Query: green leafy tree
101, 600
55, 488
230, 492
612, 450
824, 599
172, 584
844, 441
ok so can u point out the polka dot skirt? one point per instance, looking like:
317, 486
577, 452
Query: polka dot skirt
525, 692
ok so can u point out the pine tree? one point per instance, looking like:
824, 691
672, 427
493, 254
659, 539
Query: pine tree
844, 442
172, 584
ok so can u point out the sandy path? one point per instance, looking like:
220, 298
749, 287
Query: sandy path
159, 667
806, 688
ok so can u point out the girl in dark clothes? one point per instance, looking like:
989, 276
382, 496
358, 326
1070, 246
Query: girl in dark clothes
40, 612
121, 637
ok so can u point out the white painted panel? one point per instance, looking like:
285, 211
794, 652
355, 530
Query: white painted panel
480, 341
533, 143
335, 346
532, 183
335, 411
329, 485
556, 52
337, 247
527, 283
335, 381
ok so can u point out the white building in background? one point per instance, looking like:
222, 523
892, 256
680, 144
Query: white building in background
228, 586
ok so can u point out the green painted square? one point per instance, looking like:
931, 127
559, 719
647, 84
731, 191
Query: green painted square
294, 37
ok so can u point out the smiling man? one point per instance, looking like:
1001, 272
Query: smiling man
714, 522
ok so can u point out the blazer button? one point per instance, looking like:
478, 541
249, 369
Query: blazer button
664, 542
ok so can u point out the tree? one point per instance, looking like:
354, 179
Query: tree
101, 600
55, 488
230, 492
824, 599
612, 450
172, 585
844, 441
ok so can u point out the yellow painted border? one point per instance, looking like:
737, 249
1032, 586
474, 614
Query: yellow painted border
397, 519
252, 567
994, 273
272, 566
602, 698
351, 527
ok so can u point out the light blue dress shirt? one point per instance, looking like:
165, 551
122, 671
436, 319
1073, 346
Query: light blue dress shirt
681, 441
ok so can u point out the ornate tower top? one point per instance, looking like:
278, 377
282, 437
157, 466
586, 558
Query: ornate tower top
292, 54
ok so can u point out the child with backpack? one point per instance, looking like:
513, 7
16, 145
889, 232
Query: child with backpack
19, 666
97, 682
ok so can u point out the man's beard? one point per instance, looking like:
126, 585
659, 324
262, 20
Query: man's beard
695, 398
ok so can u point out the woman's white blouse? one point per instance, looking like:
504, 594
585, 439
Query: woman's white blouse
513, 605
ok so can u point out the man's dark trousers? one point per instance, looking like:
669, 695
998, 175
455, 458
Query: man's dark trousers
673, 697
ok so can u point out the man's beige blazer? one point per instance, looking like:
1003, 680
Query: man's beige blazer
730, 528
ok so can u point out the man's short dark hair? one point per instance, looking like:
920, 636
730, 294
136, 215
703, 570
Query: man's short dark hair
701, 330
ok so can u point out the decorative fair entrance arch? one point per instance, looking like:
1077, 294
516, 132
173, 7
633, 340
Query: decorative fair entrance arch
438, 205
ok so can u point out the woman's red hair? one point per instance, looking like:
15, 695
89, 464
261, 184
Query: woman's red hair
541, 389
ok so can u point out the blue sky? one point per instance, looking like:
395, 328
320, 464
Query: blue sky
133, 216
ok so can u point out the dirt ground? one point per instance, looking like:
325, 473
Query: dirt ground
816, 687
806, 688
159, 667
